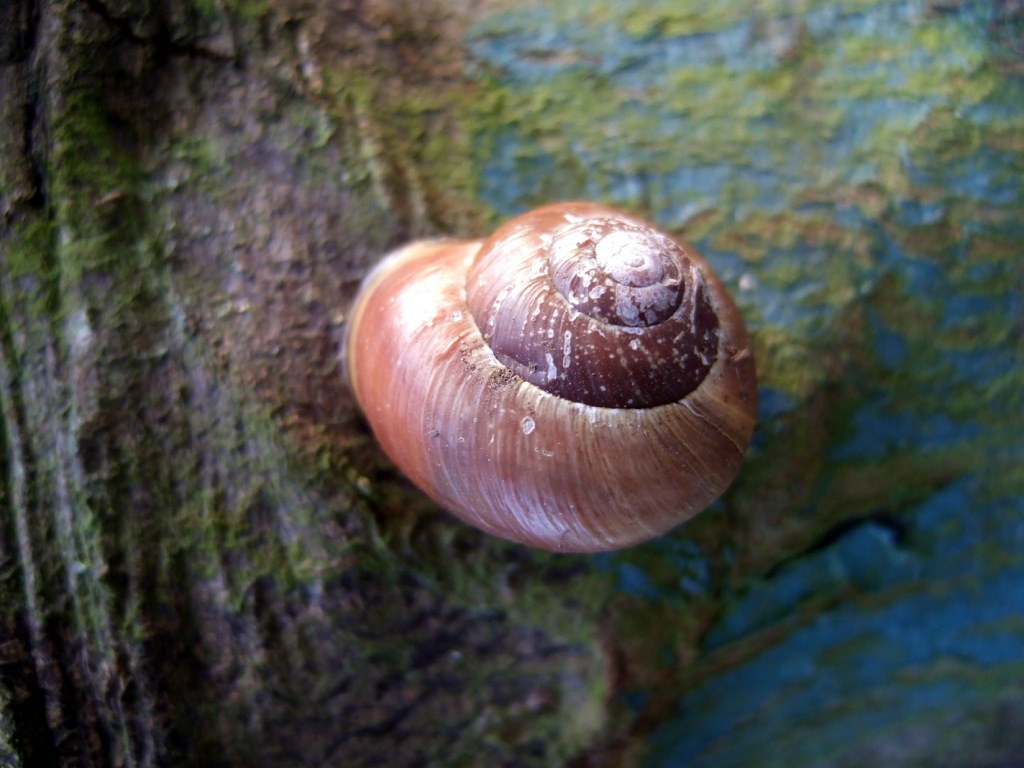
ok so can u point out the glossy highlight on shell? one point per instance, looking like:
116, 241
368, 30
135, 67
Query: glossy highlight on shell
578, 381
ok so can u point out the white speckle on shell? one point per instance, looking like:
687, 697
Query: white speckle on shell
623, 253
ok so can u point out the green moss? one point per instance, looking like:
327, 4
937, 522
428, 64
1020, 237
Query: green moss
200, 157
408, 140
96, 181
30, 253
721, 92
30, 265
247, 10
669, 19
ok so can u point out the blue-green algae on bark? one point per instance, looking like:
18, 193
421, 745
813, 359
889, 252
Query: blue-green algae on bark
854, 171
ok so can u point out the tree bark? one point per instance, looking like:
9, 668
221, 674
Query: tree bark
205, 560
190, 575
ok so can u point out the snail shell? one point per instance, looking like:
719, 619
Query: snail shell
579, 381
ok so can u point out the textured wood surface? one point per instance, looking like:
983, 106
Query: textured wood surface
854, 170
204, 560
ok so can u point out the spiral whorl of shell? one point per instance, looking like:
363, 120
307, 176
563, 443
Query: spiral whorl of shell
594, 306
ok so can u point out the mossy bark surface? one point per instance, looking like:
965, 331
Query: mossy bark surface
204, 560
190, 571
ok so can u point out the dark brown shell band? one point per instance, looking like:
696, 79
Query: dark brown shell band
612, 312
